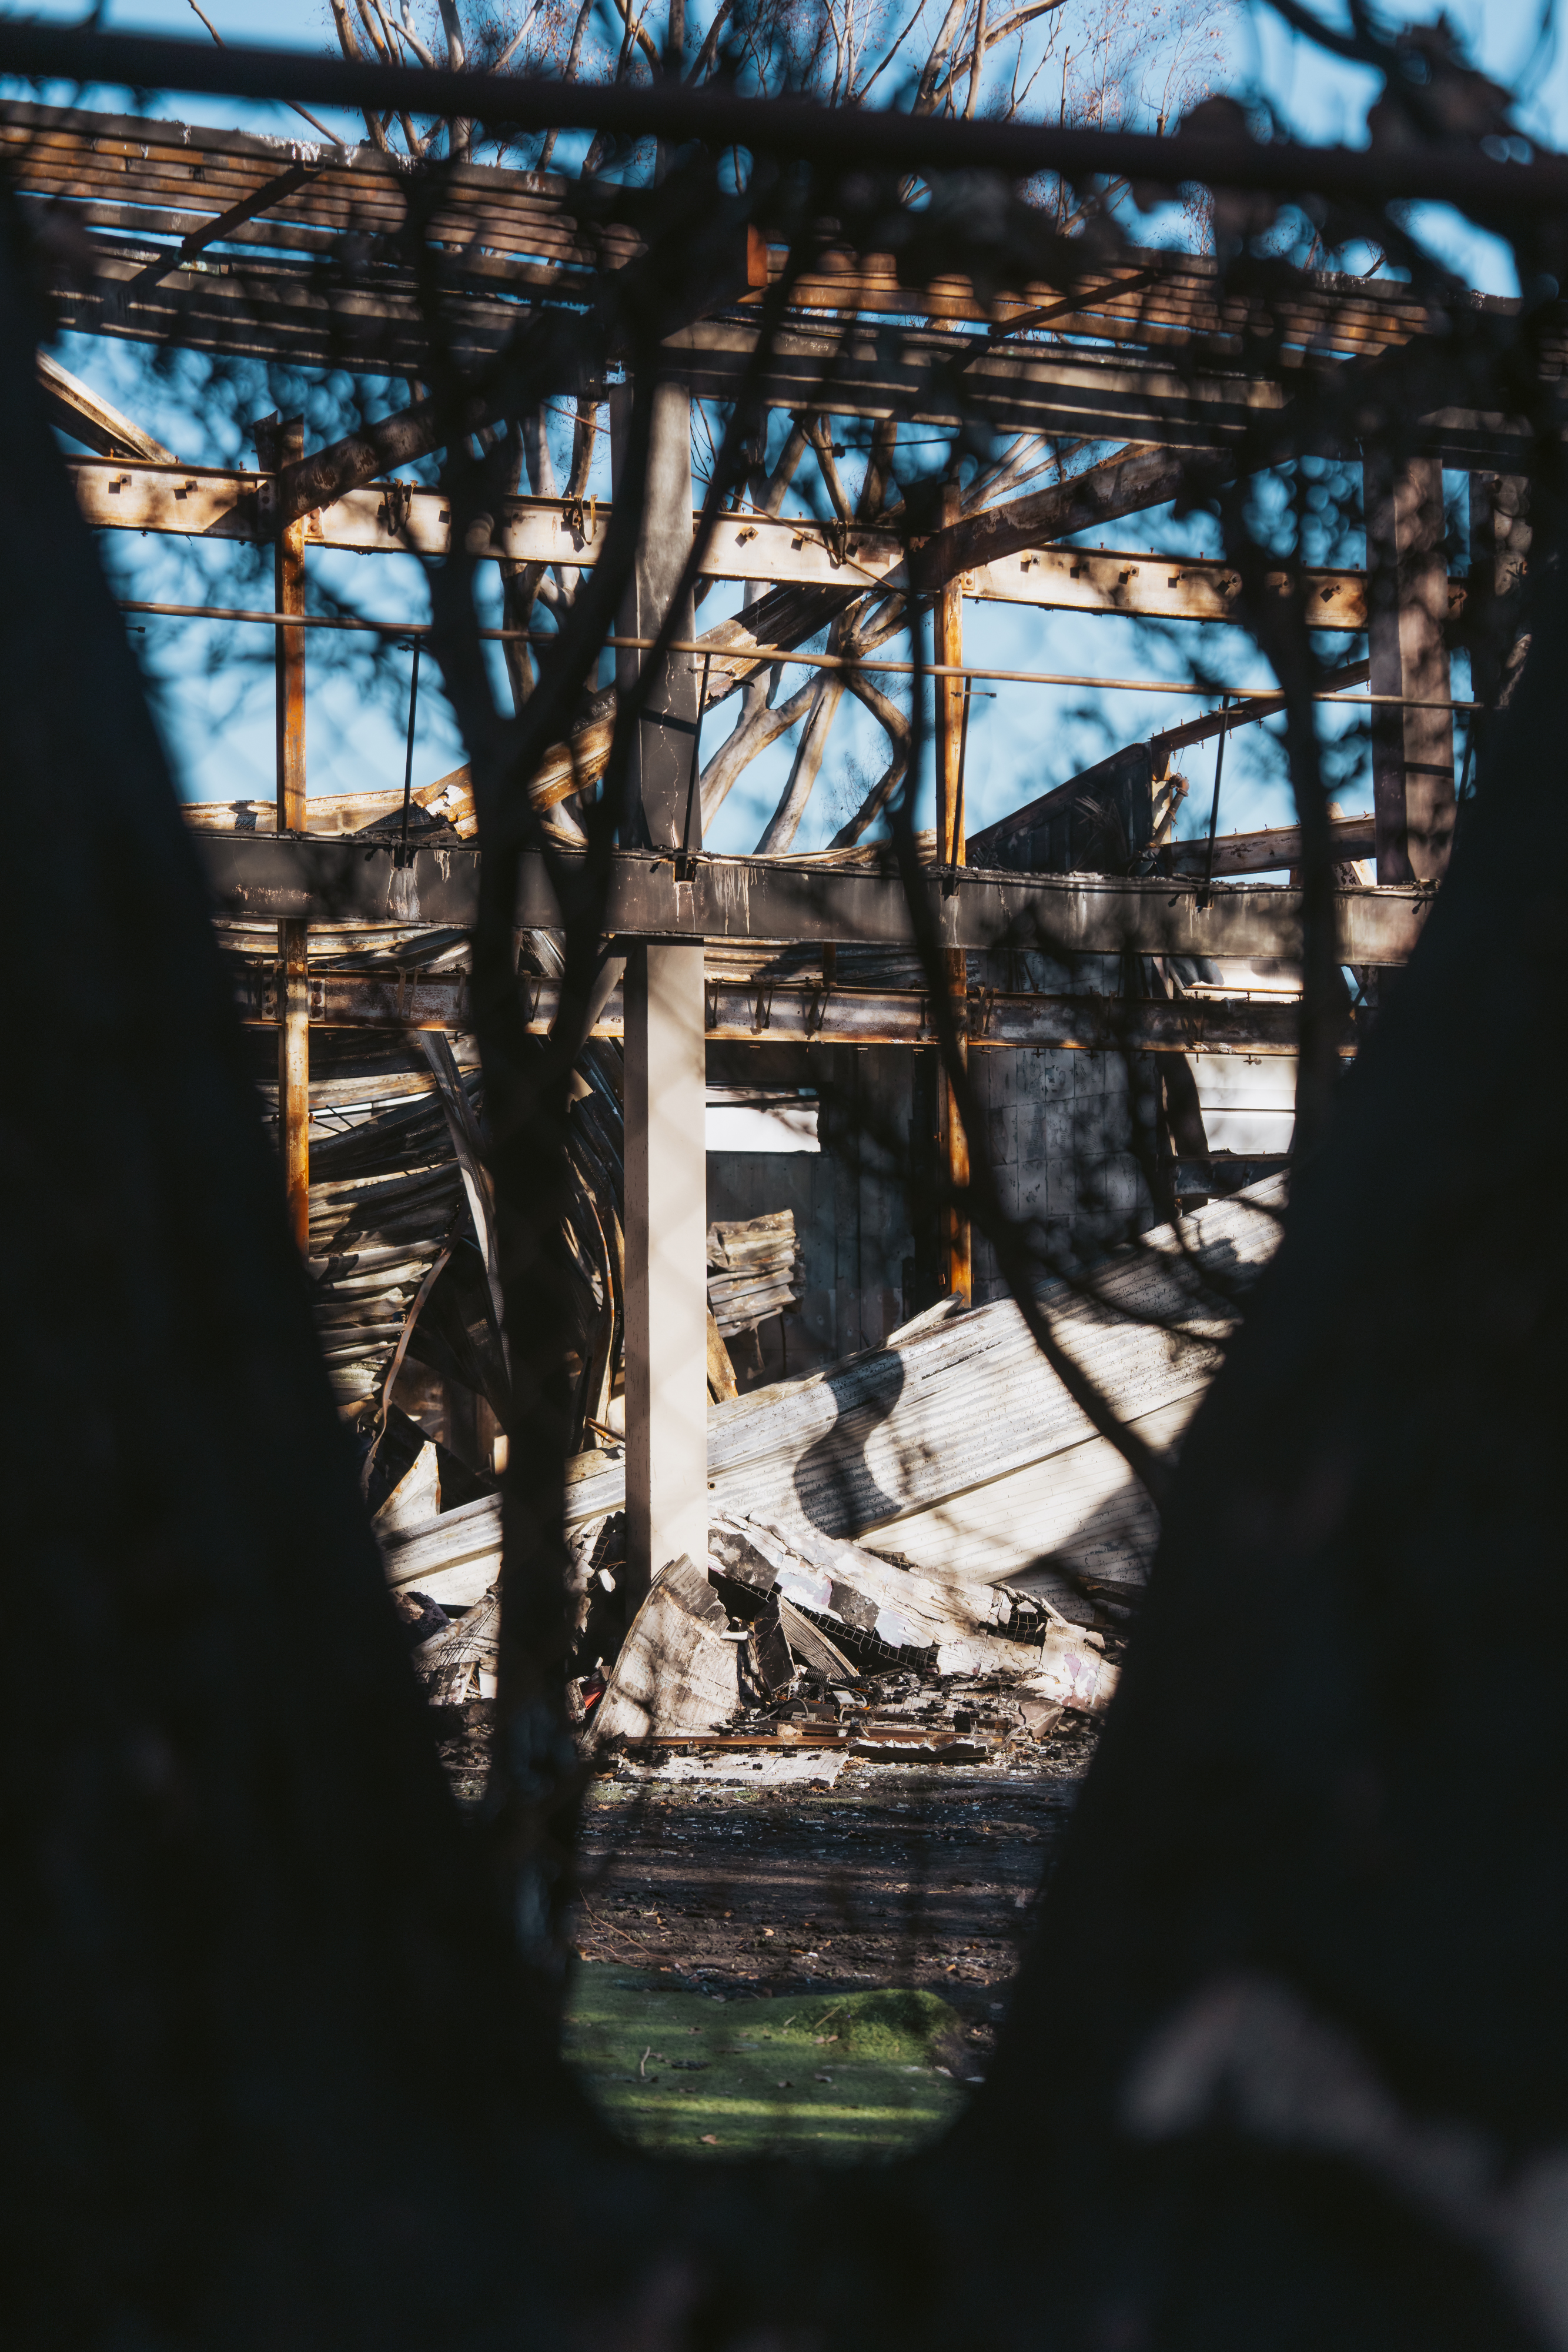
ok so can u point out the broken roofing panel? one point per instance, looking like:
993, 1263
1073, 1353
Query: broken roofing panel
960, 1434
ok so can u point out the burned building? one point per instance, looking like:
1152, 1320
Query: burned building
789, 1310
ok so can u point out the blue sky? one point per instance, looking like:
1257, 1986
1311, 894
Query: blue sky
215, 697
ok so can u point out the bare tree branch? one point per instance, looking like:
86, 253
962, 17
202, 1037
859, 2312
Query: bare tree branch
316, 124
708, 55
893, 721
460, 130
758, 724
405, 32
773, 496
823, 450
569, 74
504, 57
857, 96
638, 35
785, 823
977, 59
991, 37
875, 801
349, 42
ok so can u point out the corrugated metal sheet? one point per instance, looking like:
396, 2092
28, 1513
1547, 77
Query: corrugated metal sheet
960, 1449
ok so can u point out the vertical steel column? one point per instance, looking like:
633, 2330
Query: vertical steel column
955, 1245
293, 1075
1408, 611
665, 1083
665, 1076
281, 442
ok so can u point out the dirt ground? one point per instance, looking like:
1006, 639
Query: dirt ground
894, 1876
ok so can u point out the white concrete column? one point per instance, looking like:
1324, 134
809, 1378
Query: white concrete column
664, 1048
666, 1273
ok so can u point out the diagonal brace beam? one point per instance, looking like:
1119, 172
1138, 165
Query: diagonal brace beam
214, 231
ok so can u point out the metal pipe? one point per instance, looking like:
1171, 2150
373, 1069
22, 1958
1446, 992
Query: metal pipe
786, 654
970, 696
952, 724
692, 802
408, 759
1214, 814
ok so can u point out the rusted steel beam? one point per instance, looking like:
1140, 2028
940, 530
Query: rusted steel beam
1158, 587
952, 709
765, 1013
259, 877
663, 1081
949, 654
1135, 480
1091, 820
221, 502
293, 1013
133, 173
114, 182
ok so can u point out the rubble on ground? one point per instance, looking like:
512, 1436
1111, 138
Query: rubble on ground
764, 1660
925, 1553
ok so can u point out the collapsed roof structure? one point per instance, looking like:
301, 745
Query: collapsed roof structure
1087, 955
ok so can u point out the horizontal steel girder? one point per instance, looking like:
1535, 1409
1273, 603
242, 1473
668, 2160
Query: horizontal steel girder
213, 502
303, 877
763, 1012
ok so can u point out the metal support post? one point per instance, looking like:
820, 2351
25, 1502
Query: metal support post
281, 443
950, 731
664, 1082
665, 1073
1408, 611
293, 1075
949, 705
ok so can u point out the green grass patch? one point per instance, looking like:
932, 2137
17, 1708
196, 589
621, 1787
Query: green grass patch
825, 2078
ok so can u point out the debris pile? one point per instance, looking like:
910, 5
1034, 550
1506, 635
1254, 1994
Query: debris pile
765, 1658
458, 1661
753, 1271
918, 1553
771, 1652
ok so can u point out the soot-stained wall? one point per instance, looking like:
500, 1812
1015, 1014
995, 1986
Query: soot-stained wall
1057, 1126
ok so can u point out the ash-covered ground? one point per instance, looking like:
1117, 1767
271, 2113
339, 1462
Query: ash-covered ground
924, 1878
